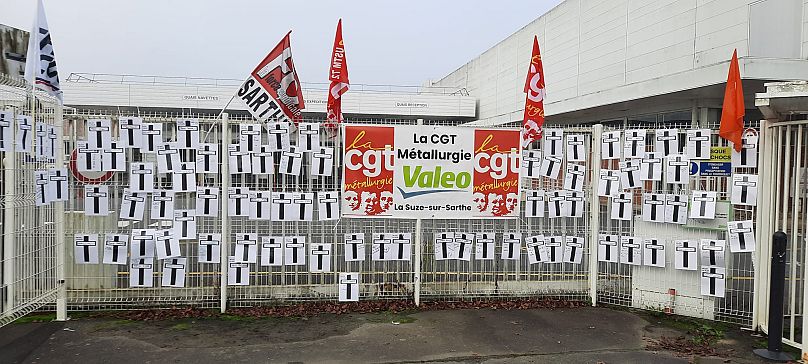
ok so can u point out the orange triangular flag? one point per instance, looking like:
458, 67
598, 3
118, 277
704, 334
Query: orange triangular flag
733, 110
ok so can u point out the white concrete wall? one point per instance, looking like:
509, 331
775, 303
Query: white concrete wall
593, 49
216, 97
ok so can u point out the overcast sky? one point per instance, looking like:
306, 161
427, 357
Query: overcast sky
399, 42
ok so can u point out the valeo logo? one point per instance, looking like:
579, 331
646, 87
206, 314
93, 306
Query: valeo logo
417, 176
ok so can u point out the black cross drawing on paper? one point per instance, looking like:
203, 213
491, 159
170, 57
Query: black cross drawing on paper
713, 249
354, 243
329, 200
86, 243
698, 138
401, 242
321, 252
141, 170
96, 194
741, 231
163, 199
553, 244
304, 203
237, 195
166, 153
133, 199
59, 178
703, 199
745, 150
279, 131
238, 267
622, 201
630, 168
143, 237
349, 281
713, 275
24, 126
745, 184
290, 158
485, 240
309, 130
3, 125
187, 127
382, 241
462, 240
272, 246
608, 176
88, 156
554, 137
113, 153
650, 162
678, 164
551, 164
444, 242
575, 142
40, 137
52, 136
281, 202
186, 172
654, 246
206, 153
677, 204
575, 172
165, 238
607, 242
246, 242
610, 139
531, 158
686, 250
630, 245
116, 243
556, 198
206, 196
42, 182
259, 199
263, 157
320, 158
535, 244
574, 244
174, 266
511, 240
185, 220
573, 198
665, 137
129, 125
295, 246
98, 128
535, 198
635, 138
141, 267
152, 132
209, 241
655, 203
248, 131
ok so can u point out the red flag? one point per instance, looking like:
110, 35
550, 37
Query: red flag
338, 75
272, 91
534, 102
733, 111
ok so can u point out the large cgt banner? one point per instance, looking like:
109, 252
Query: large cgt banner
411, 171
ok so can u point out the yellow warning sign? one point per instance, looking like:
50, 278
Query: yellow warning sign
721, 154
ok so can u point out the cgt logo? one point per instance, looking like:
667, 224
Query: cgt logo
489, 159
362, 155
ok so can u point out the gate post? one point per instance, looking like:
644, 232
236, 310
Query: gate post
59, 221
224, 250
9, 188
764, 223
417, 263
594, 212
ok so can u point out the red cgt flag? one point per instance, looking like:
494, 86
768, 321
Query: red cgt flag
733, 111
534, 102
338, 75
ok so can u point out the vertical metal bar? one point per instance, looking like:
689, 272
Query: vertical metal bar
783, 225
794, 229
224, 250
764, 221
59, 222
417, 263
9, 224
594, 212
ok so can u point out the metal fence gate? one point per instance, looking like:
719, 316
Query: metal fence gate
106, 286
31, 245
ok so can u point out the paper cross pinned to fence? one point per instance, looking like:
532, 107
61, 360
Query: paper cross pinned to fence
291, 161
576, 152
207, 158
630, 250
531, 163
210, 248
86, 248
143, 243
535, 203
741, 235
712, 252
573, 249
207, 201
511, 246
162, 207
238, 273
622, 206
653, 207
174, 272
152, 137
141, 272
654, 253
96, 200
188, 134
130, 132
744, 189
484, 247
263, 161
319, 258
698, 143
574, 177
167, 245
271, 251
115, 249
635, 144
141, 177
246, 248
553, 140
355, 247
348, 287
685, 255
713, 281
610, 146
607, 248
294, 250
702, 205
666, 141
